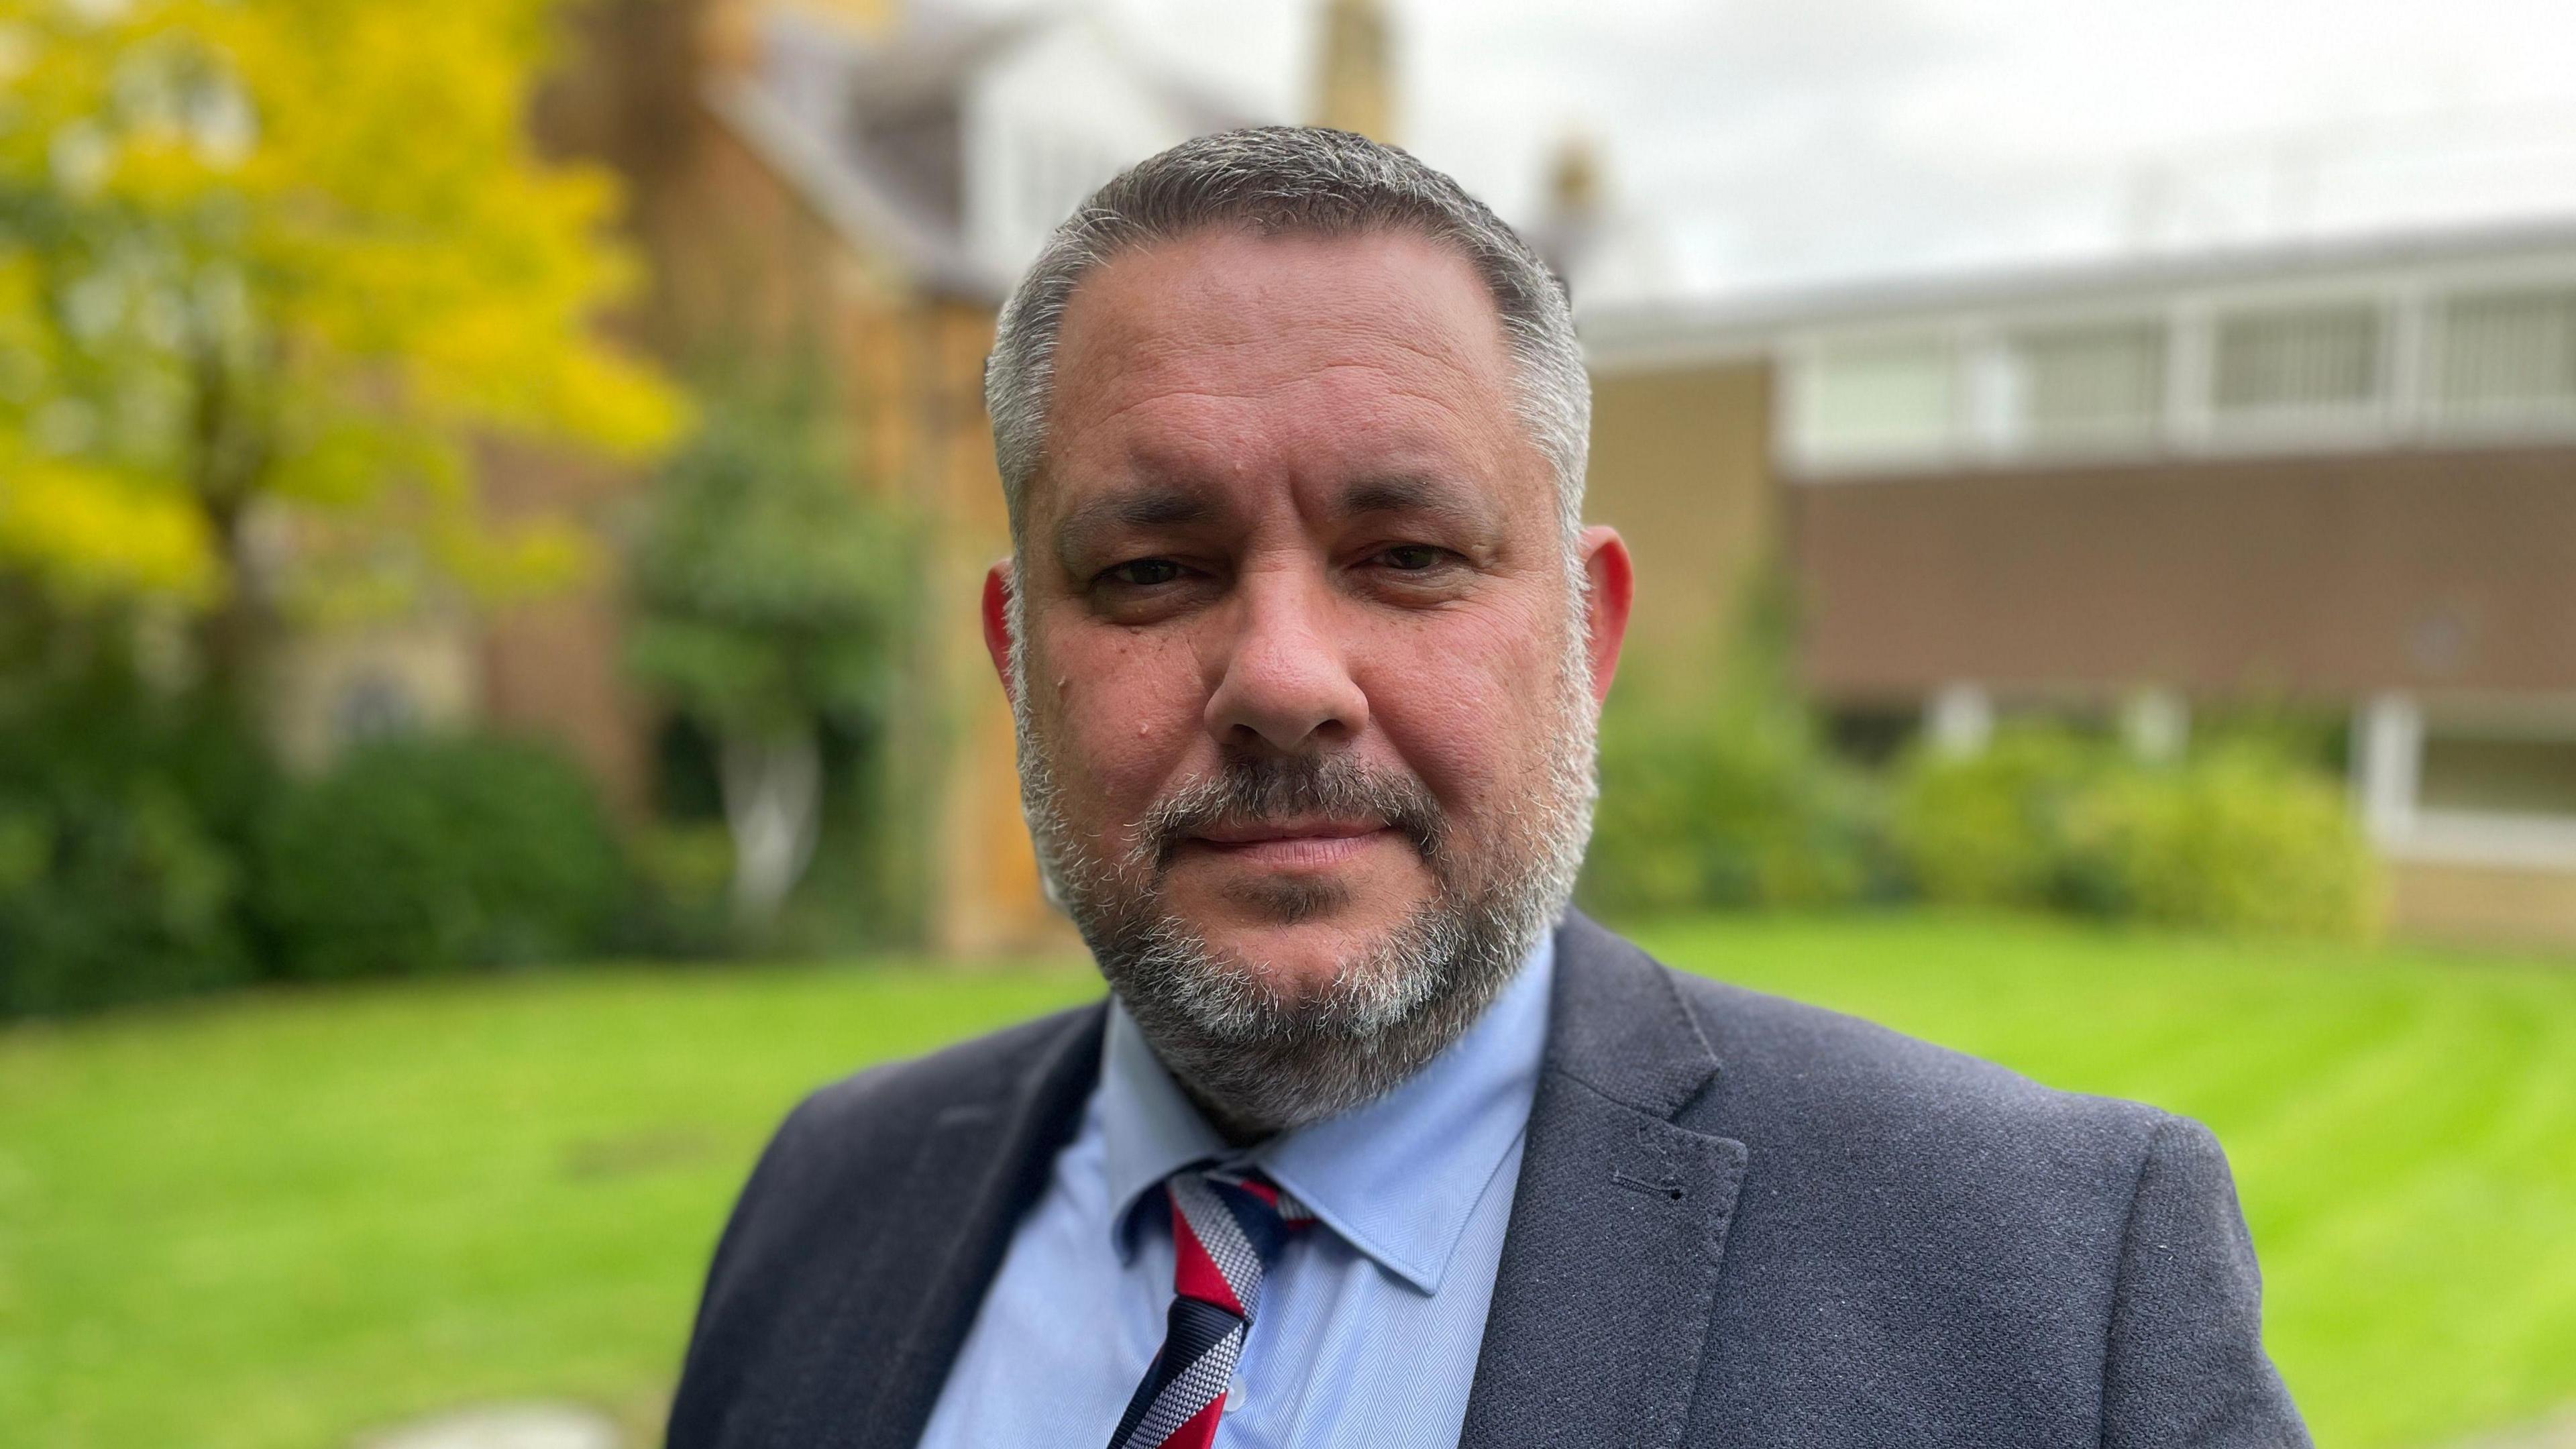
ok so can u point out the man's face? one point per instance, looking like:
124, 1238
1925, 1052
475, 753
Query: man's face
1288, 522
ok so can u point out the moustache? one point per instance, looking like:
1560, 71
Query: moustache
1248, 791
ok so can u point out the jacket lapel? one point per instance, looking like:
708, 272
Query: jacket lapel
979, 1167
1602, 1303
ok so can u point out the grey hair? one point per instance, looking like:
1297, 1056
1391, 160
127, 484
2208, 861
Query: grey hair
1290, 180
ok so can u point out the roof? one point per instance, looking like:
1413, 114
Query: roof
870, 131
1751, 323
860, 207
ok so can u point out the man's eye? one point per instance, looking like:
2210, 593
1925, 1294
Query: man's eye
1413, 557
1144, 573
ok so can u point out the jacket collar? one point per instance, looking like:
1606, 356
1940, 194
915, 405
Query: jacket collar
1620, 1025
1619, 1221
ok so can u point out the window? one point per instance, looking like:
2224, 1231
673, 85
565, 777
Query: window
2507, 354
2090, 384
2479, 788
1881, 400
2489, 774
2297, 359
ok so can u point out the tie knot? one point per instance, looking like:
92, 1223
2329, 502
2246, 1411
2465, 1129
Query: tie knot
1228, 1225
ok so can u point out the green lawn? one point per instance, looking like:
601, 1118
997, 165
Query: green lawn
272, 1222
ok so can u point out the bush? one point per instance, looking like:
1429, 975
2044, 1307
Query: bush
122, 820
2238, 840
1736, 807
2240, 837
1989, 829
430, 854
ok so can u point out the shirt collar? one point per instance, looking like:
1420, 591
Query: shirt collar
1396, 1177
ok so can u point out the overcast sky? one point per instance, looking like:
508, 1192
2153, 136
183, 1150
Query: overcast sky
1756, 143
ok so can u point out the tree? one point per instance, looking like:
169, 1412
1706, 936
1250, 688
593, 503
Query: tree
769, 600
273, 271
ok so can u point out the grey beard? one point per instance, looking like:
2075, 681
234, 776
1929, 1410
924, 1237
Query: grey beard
1259, 1062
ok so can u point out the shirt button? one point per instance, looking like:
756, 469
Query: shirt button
1234, 1396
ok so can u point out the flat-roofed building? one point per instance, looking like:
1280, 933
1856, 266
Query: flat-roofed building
2336, 477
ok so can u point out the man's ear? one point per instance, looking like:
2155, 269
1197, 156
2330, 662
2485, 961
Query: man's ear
1611, 590
998, 584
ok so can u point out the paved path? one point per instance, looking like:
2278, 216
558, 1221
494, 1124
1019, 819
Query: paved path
2555, 1432
505, 1426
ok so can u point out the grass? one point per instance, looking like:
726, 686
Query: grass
277, 1221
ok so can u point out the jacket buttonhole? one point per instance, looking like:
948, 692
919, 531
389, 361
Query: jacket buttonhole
1671, 1190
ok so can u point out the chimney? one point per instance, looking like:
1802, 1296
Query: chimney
1355, 88
1572, 225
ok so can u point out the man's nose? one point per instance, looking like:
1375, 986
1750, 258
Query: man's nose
1287, 682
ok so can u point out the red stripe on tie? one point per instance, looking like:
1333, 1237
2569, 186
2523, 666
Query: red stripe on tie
1200, 1430
1194, 1273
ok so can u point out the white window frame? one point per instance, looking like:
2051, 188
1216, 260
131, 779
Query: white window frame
2388, 757
2301, 428
1795, 411
1987, 429
2554, 274
2015, 440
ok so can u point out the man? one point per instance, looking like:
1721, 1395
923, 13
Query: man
1375, 1142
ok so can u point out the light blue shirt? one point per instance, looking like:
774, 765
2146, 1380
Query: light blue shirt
1368, 1325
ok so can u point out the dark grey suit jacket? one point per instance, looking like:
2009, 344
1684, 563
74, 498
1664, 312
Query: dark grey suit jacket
1740, 1221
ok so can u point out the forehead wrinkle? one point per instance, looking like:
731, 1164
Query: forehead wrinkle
1424, 410
1393, 381
1367, 344
1388, 340
1071, 429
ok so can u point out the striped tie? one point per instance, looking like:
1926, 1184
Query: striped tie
1226, 1228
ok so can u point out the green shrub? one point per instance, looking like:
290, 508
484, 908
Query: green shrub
433, 854
2242, 837
1988, 829
123, 815
1737, 807
2238, 840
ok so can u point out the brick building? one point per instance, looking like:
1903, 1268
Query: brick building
2329, 477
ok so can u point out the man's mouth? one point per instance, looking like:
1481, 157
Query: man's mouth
1289, 845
